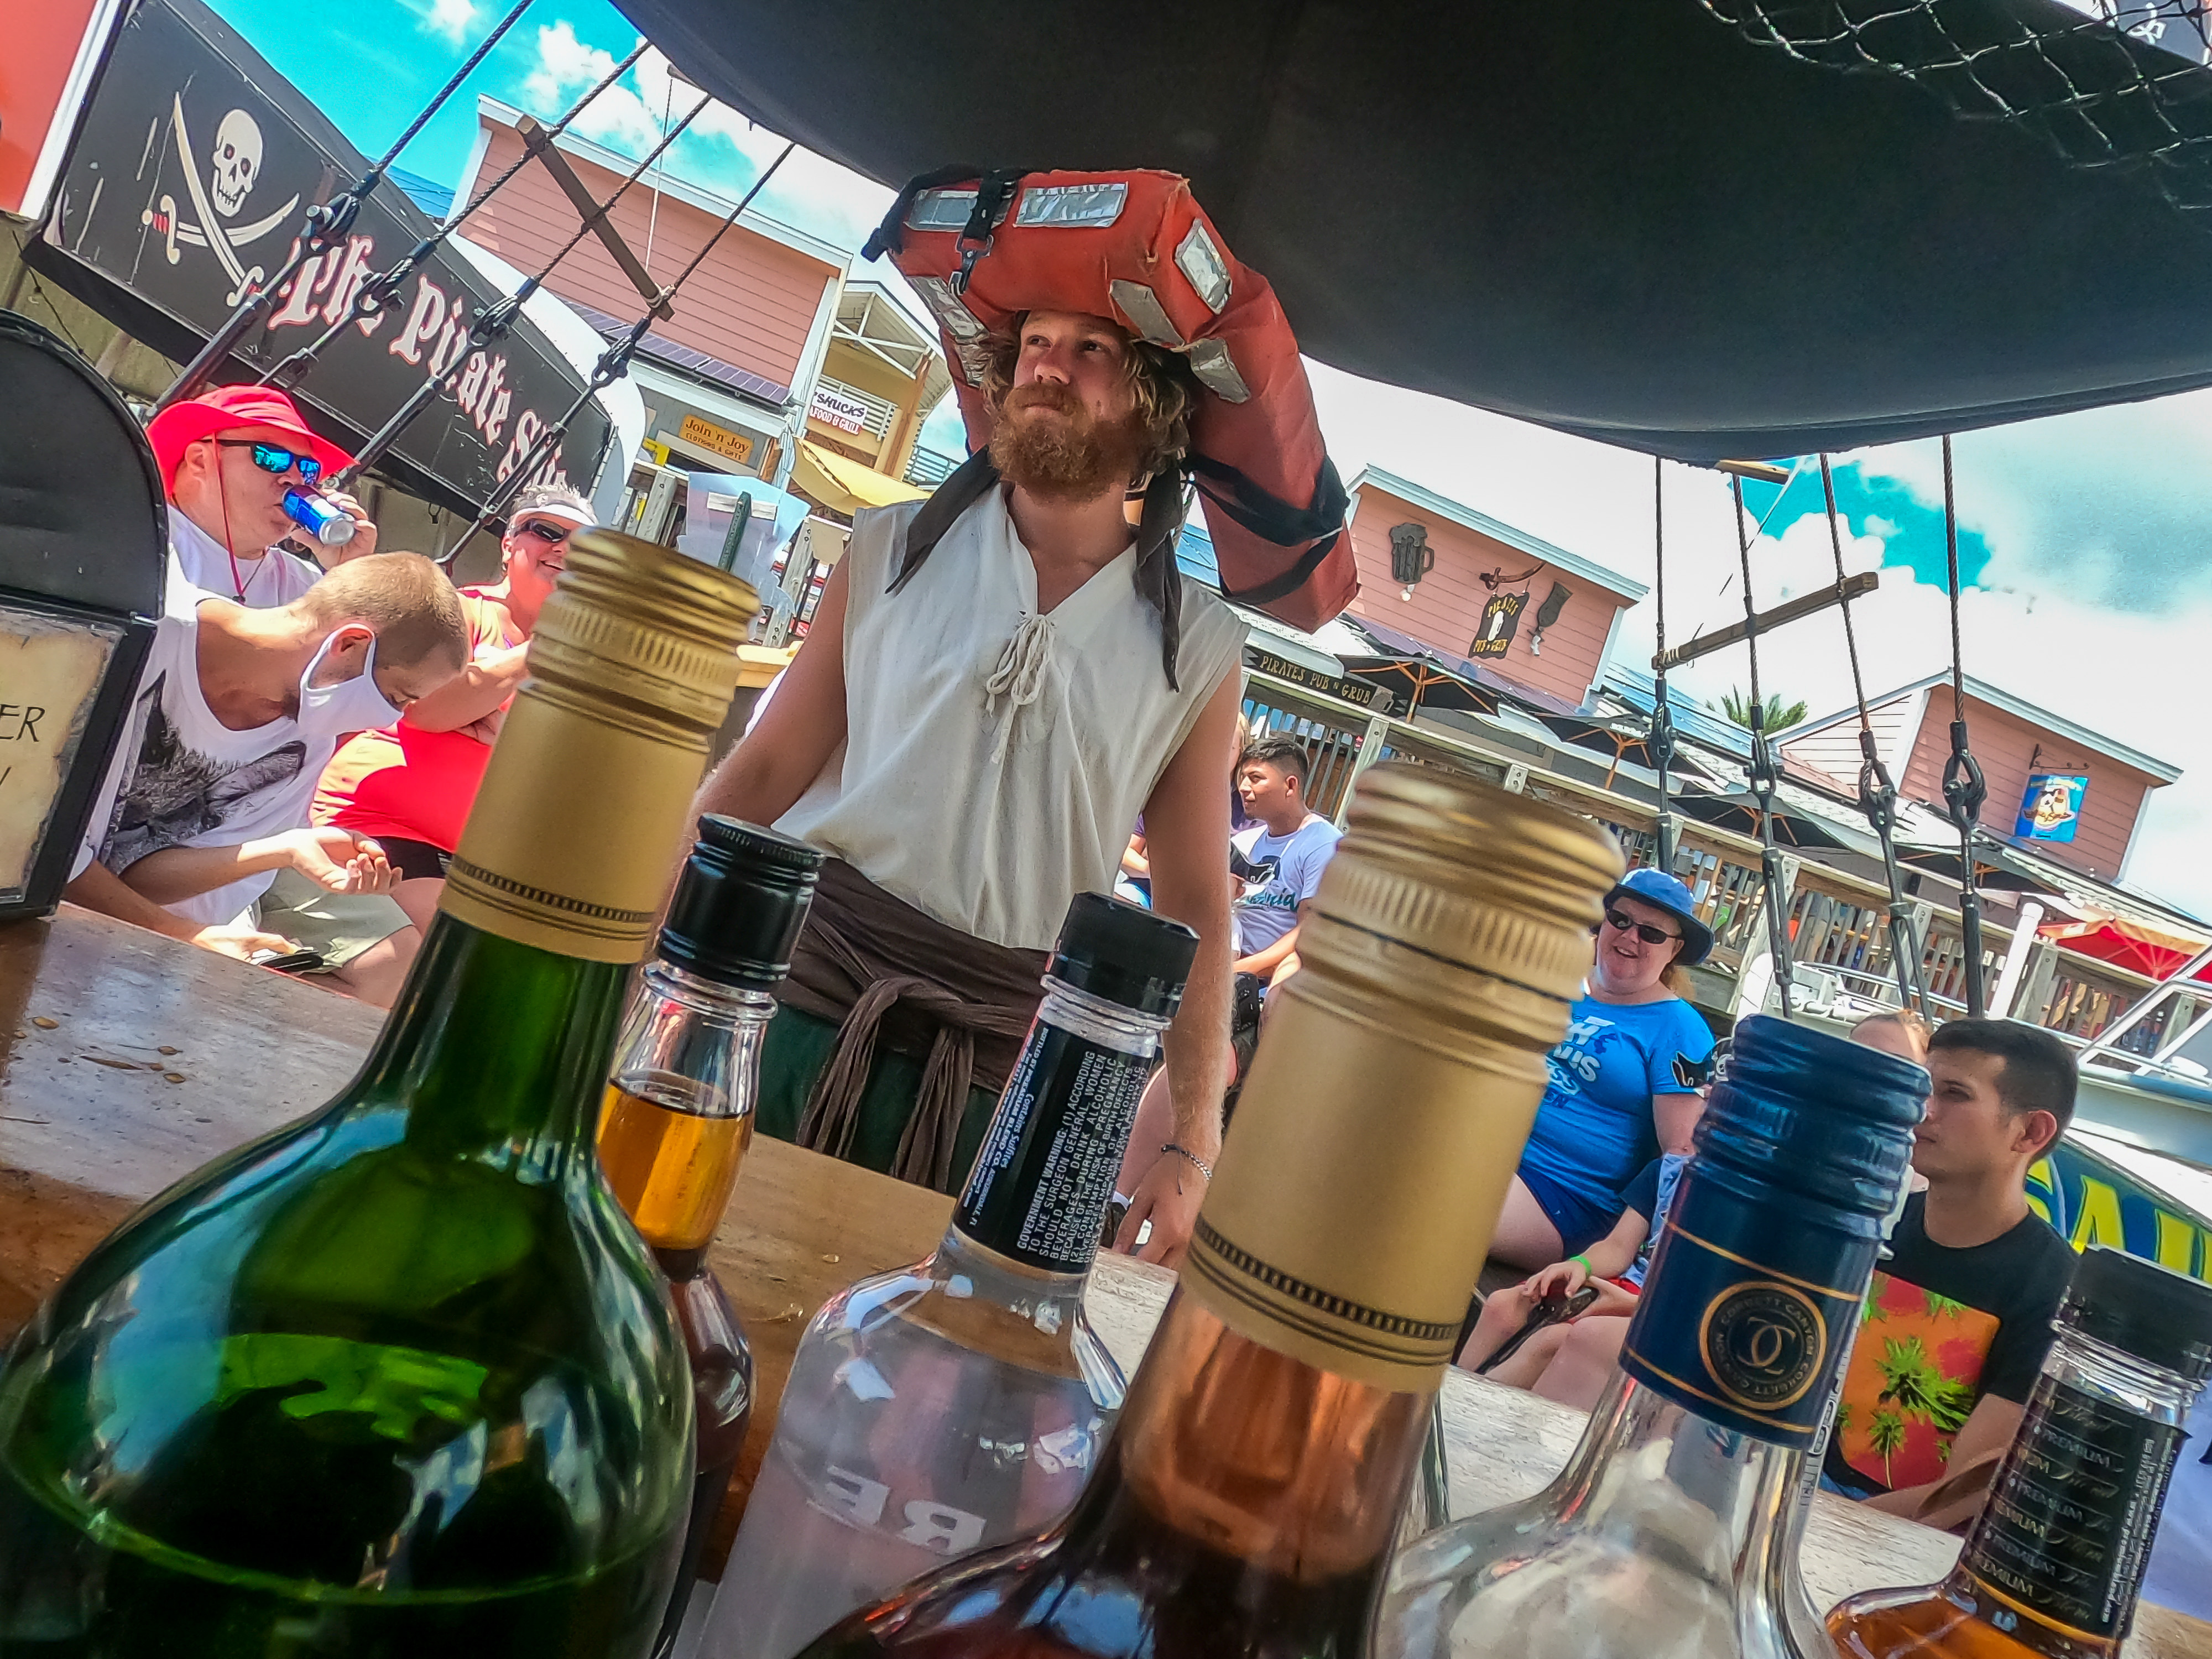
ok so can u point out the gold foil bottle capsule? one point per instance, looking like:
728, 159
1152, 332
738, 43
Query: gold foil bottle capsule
1399, 1073
637, 641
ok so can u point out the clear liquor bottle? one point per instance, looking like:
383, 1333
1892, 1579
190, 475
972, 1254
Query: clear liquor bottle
400, 1378
2051, 1568
1671, 1531
678, 1117
1246, 1503
961, 1401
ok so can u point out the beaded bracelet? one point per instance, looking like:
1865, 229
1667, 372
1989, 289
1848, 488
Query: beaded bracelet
1204, 1167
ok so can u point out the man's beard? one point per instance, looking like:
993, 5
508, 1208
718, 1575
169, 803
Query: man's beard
1076, 458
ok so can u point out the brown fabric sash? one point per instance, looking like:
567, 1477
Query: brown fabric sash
884, 971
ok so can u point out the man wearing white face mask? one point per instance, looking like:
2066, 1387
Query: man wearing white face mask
238, 711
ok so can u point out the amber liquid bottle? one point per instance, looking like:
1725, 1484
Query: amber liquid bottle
2051, 1568
1247, 1501
680, 1115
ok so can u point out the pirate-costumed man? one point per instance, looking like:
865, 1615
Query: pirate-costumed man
999, 681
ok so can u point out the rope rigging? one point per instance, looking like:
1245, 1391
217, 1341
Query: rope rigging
379, 292
493, 321
609, 369
1764, 776
1877, 793
328, 224
1965, 790
1667, 829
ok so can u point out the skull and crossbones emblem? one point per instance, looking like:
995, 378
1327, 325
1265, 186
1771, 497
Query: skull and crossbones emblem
235, 162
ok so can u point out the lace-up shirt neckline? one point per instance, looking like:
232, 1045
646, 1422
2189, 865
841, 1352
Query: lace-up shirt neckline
996, 755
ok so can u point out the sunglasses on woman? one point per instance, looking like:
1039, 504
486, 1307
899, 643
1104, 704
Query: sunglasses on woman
1621, 922
274, 457
544, 530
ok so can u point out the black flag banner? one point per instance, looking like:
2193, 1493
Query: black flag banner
189, 178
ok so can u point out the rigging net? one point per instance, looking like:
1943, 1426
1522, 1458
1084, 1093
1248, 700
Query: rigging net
2108, 84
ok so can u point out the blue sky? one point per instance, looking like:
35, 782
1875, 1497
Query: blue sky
2085, 539
388, 56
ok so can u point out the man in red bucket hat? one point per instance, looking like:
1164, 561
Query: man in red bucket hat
227, 458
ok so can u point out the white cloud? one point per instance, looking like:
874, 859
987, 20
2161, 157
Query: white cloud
452, 20
2081, 513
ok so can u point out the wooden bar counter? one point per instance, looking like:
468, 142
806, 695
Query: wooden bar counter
127, 1059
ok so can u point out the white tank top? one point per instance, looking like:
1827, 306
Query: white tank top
995, 760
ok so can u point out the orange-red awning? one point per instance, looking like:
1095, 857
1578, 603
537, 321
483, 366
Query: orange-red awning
2133, 945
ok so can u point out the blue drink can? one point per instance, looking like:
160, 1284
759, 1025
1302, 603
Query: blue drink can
327, 523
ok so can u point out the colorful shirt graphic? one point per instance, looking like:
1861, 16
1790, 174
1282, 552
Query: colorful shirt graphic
1594, 1129
1914, 1374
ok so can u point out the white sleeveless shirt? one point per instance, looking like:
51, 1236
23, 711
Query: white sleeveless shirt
995, 760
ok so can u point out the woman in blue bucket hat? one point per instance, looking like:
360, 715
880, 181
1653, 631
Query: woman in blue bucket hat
1624, 1082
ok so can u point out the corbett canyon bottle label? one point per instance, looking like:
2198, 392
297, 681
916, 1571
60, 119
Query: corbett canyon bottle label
1399, 1073
1747, 1311
638, 642
1039, 1187
2067, 1533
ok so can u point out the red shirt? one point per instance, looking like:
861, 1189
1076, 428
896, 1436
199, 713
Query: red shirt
408, 782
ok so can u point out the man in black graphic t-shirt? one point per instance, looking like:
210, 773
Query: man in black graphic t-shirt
1959, 1318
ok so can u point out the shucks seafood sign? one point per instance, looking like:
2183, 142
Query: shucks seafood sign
188, 182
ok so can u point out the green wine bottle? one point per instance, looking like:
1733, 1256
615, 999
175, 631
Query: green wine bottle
401, 1379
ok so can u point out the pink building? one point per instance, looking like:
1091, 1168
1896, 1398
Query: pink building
1545, 619
2086, 804
728, 378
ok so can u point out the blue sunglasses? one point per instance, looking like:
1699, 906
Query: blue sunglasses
274, 457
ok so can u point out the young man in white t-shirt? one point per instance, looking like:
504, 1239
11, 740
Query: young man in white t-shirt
237, 713
1276, 864
228, 458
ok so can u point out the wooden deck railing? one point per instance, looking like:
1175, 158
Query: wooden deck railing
1836, 919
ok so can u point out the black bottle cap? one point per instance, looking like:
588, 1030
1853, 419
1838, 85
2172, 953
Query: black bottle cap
2142, 1309
1124, 953
739, 903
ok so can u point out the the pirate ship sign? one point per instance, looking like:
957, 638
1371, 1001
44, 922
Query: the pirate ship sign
233, 162
190, 178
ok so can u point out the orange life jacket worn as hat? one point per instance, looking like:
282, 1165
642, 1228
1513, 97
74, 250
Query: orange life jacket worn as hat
227, 409
1136, 247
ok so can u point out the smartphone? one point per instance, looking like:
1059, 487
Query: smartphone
287, 962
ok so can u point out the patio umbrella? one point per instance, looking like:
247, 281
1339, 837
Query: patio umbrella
1631, 220
1625, 739
1415, 684
1793, 826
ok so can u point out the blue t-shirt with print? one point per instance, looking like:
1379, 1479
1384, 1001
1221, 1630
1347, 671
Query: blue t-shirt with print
1593, 1131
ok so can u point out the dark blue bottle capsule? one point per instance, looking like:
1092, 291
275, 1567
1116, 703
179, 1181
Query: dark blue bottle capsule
1753, 1293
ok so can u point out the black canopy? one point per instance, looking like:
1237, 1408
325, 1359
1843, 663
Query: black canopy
1621, 217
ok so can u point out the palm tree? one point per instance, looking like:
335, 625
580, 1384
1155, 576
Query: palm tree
1911, 1378
1885, 1434
1774, 715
